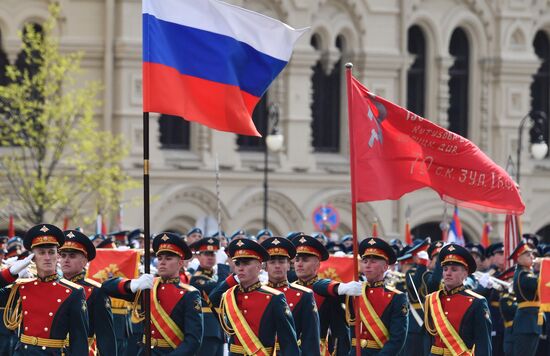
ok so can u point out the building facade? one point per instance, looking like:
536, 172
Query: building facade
476, 67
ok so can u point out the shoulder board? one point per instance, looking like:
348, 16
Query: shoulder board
197, 273
70, 284
395, 290
474, 294
271, 290
24, 280
93, 282
188, 287
302, 288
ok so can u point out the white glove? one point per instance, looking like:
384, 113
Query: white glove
352, 288
221, 256
24, 273
194, 264
18, 266
236, 278
264, 277
423, 255
485, 281
145, 281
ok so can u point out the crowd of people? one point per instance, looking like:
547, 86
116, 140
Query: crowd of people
262, 295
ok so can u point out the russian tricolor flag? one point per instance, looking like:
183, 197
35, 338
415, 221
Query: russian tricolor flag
210, 62
455, 234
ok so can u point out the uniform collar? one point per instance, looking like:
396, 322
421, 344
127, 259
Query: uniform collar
174, 280
251, 288
50, 278
376, 284
277, 284
308, 282
454, 290
78, 277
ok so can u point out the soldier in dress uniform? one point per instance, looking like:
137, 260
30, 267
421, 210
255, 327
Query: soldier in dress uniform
417, 279
528, 319
457, 318
383, 310
205, 279
75, 253
300, 299
47, 307
508, 307
176, 312
252, 314
329, 294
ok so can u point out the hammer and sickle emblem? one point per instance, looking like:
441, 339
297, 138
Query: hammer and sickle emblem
376, 118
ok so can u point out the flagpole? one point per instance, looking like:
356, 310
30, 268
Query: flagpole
349, 67
147, 233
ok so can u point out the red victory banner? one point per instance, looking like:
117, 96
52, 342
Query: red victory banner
544, 285
396, 152
109, 263
338, 268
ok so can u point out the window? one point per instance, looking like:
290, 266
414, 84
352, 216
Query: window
175, 133
416, 76
458, 83
540, 88
260, 118
21, 62
3, 63
325, 107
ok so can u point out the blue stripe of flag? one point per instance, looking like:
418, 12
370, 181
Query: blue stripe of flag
208, 55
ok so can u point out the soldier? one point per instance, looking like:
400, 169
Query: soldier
75, 253
264, 235
457, 319
300, 299
254, 315
176, 316
508, 307
50, 306
383, 310
329, 294
205, 279
528, 319
193, 235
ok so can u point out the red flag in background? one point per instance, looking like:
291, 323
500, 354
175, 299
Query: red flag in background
396, 152
512, 235
337, 268
485, 234
375, 228
109, 263
408, 237
11, 227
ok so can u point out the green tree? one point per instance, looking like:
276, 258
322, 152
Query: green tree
55, 161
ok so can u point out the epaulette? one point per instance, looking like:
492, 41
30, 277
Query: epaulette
271, 290
302, 288
474, 294
392, 289
24, 280
188, 287
93, 282
70, 284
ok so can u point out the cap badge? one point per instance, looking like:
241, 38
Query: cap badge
452, 248
44, 229
165, 237
70, 235
302, 240
211, 241
371, 242
240, 243
275, 242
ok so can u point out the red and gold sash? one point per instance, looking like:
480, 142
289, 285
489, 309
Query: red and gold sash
164, 324
371, 320
445, 329
250, 342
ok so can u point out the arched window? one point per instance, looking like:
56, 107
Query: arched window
3, 63
22, 63
459, 48
540, 88
260, 118
175, 133
325, 107
416, 76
